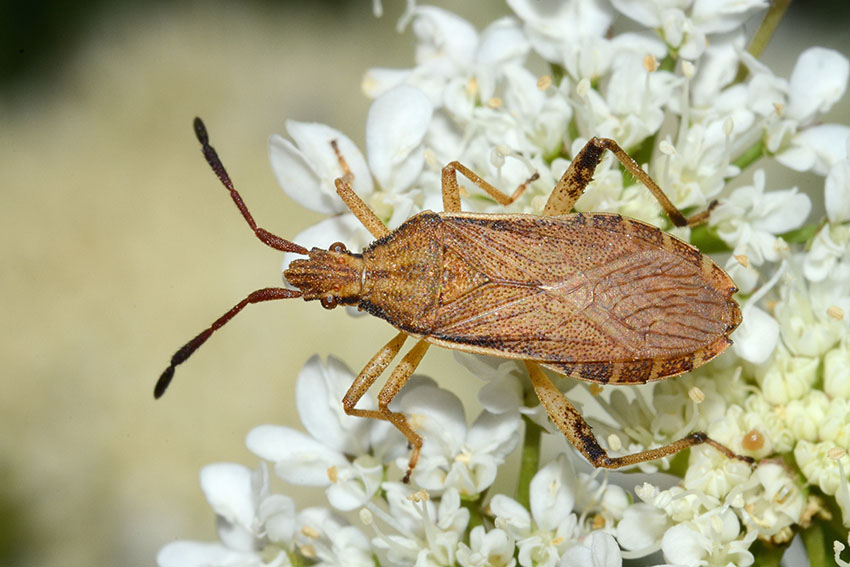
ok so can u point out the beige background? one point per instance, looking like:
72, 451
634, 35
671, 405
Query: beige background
119, 245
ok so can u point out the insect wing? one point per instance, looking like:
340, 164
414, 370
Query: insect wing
595, 296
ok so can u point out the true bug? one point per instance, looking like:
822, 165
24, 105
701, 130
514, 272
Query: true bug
594, 296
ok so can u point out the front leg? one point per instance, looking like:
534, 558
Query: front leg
401, 374
451, 189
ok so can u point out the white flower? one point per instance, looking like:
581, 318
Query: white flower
568, 33
828, 467
750, 219
598, 549
452, 454
320, 459
503, 391
545, 533
689, 526
835, 424
307, 169
770, 501
494, 548
757, 429
417, 530
395, 128
328, 541
837, 548
818, 80
828, 247
787, 377
837, 190
712, 473
684, 24
249, 518
199, 554
711, 539
836, 370
802, 418
693, 171
806, 326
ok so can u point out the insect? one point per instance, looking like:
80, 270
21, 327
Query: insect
595, 296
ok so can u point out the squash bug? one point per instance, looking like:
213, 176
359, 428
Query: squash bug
594, 296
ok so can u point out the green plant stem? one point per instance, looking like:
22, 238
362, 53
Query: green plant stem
752, 153
767, 555
813, 539
764, 33
474, 507
530, 461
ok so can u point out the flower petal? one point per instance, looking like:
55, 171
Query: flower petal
817, 148
818, 81
395, 127
307, 169
757, 336
552, 497
298, 458
201, 554
598, 549
319, 390
439, 417
444, 40
228, 488
277, 514
496, 434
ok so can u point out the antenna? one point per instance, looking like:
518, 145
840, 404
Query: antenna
258, 296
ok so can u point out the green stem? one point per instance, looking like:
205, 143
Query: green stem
474, 507
765, 32
767, 555
752, 153
813, 539
530, 461
668, 63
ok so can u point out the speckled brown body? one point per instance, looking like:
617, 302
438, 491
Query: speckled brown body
595, 296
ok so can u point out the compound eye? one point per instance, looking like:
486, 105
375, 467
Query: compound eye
338, 247
328, 301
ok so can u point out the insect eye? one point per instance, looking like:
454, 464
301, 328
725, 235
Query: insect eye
338, 247
328, 301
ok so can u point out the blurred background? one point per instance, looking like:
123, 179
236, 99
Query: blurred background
119, 245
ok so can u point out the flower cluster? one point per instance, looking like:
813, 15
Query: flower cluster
683, 93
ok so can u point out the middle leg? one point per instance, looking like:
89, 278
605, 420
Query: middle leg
451, 189
399, 377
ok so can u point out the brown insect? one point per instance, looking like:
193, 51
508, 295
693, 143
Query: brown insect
594, 296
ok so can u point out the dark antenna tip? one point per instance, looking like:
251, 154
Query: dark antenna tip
163, 382
201, 131
184, 352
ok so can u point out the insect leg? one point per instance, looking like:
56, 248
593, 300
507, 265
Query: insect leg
347, 175
574, 181
400, 375
355, 204
579, 433
451, 189
360, 209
